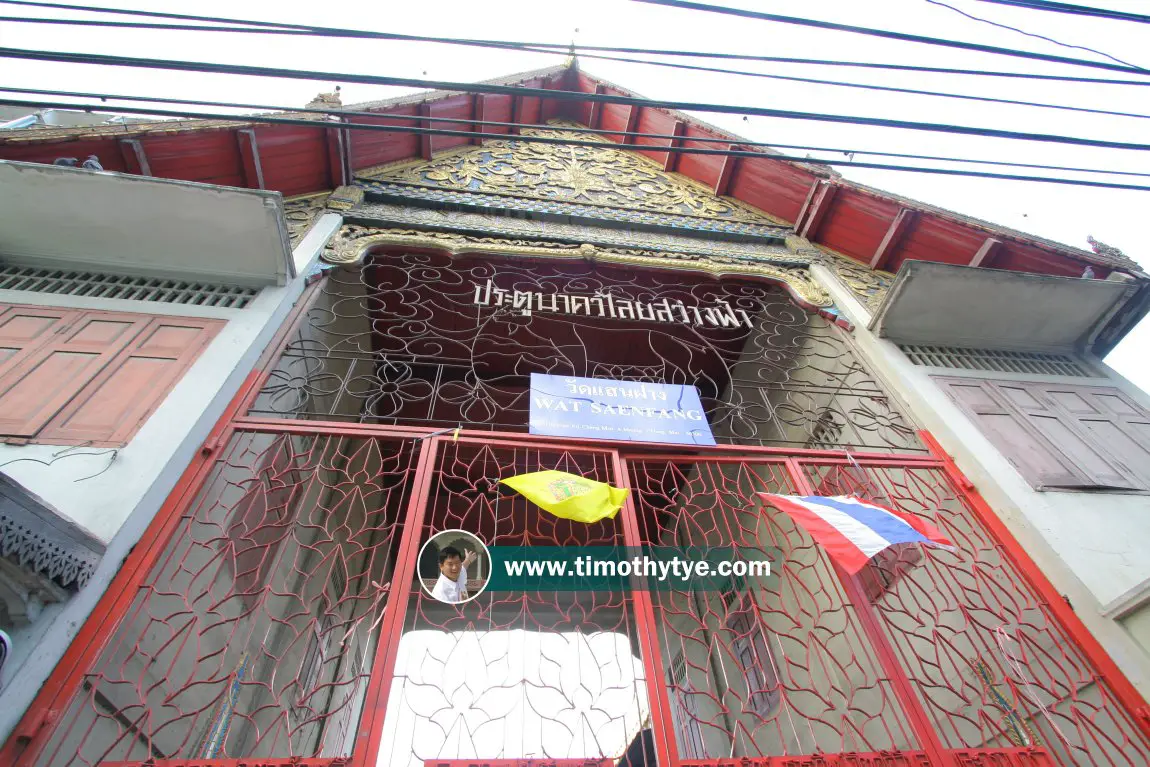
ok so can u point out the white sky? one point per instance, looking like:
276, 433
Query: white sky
510, 694
1063, 213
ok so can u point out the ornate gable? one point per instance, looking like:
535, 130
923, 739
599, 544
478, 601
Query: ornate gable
472, 199
582, 175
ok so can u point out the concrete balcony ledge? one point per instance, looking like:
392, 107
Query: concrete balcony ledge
76, 219
950, 305
43, 556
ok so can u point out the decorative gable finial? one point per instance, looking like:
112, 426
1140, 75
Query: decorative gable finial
326, 100
1103, 249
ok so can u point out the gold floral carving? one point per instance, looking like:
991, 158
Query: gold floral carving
388, 214
345, 198
868, 285
587, 175
354, 241
301, 212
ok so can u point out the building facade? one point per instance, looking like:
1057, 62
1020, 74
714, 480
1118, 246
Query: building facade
253, 586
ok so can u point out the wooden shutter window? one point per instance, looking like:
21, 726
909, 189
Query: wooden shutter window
71, 377
1117, 424
1064, 434
1059, 437
1041, 465
24, 328
38, 387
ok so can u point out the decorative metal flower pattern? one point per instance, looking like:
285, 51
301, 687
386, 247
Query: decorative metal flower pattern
599, 175
404, 340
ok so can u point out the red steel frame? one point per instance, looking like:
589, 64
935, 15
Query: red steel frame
1133, 700
27, 740
919, 720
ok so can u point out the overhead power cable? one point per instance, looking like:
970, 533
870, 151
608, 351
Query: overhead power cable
719, 70
993, 23
626, 135
1078, 10
873, 87
261, 27
557, 95
883, 33
274, 120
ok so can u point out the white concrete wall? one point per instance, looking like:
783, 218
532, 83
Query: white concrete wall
97, 488
119, 503
1091, 545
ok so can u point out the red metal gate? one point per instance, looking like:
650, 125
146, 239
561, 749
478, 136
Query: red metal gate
272, 614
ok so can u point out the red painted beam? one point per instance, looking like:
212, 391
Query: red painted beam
338, 152
893, 237
516, 112
672, 161
478, 115
597, 107
987, 252
632, 123
250, 158
806, 206
425, 146
819, 204
135, 158
730, 165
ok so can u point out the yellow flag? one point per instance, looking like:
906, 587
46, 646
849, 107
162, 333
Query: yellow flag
568, 495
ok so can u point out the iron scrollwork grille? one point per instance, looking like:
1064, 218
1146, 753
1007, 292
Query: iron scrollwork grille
254, 634
775, 665
546, 675
988, 660
427, 339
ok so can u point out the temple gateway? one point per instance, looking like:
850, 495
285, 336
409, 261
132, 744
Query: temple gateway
248, 371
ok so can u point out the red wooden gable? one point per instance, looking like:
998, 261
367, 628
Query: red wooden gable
871, 226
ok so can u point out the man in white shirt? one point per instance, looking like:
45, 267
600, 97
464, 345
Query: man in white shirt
452, 584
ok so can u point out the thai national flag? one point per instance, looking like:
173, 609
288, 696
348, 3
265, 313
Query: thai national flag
852, 531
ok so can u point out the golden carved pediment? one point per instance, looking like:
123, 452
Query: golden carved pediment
587, 175
354, 242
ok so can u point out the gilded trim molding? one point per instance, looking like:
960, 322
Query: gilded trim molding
600, 176
387, 215
353, 243
869, 285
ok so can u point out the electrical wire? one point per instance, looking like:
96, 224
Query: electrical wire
260, 27
719, 70
886, 34
1080, 10
272, 120
992, 23
872, 87
556, 95
630, 135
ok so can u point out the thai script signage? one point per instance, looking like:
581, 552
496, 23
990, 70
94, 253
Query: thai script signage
604, 304
632, 411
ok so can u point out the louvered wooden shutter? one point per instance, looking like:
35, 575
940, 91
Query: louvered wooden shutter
41, 383
72, 376
116, 402
1027, 451
23, 329
1065, 434
1115, 422
1061, 436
